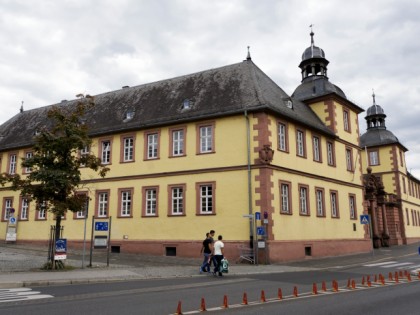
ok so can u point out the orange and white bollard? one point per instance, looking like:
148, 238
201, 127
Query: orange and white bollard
262, 299
179, 309
245, 299
314, 289
225, 302
280, 294
203, 305
295, 291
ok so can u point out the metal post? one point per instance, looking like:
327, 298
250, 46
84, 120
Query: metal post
84, 233
109, 241
91, 241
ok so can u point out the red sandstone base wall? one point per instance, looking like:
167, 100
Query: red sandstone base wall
277, 251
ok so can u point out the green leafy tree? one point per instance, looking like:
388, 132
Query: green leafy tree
55, 164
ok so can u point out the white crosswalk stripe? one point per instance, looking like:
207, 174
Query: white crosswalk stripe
21, 294
393, 264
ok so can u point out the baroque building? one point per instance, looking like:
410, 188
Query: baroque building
214, 150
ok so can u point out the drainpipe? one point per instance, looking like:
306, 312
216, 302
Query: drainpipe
251, 219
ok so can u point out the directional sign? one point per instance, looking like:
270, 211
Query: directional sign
364, 219
12, 221
257, 215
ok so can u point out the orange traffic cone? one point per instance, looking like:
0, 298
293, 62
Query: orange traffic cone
324, 286
363, 280
280, 294
314, 289
396, 277
178, 309
353, 284
295, 291
408, 277
401, 274
262, 299
225, 302
334, 286
245, 299
203, 305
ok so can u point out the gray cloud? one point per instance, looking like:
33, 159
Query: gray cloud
53, 50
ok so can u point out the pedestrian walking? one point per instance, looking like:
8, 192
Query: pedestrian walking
206, 250
218, 251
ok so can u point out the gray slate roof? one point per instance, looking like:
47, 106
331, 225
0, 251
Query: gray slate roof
379, 137
213, 93
314, 86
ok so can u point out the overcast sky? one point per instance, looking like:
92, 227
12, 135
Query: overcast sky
52, 50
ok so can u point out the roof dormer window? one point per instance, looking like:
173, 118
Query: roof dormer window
128, 115
186, 104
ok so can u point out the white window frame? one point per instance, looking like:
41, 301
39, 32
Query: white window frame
103, 199
178, 142
346, 120
330, 153
303, 200
8, 204
151, 201
206, 139
106, 152
352, 205
317, 153
373, 158
24, 209
320, 209
28, 155
126, 203
300, 143
282, 134
349, 160
152, 145
334, 204
285, 198
128, 149
13, 164
177, 200
206, 199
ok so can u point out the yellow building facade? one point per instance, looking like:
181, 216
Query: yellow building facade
223, 149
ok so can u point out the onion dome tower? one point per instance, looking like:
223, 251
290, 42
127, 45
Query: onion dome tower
314, 74
376, 134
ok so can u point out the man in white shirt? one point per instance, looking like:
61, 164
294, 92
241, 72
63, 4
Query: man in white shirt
218, 255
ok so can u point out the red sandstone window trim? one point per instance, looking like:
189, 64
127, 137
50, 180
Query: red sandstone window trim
334, 204
285, 189
21, 204
125, 191
304, 205
98, 202
123, 157
320, 202
102, 150
349, 159
205, 195
346, 120
176, 145
150, 204
352, 206
7, 205
283, 136
300, 143
201, 140
317, 148
176, 199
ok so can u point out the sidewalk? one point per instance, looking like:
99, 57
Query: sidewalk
20, 266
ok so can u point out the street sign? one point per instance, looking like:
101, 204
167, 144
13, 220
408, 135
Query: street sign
60, 249
257, 215
12, 221
101, 226
260, 230
364, 219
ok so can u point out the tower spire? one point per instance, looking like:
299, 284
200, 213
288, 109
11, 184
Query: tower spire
248, 56
312, 34
373, 96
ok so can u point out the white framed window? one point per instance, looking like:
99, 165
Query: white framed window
349, 160
106, 151
300, 143
8, 205
12, 164
282, 134
316, 148
330, 153
28, 155
346, 120
24, 209
152, 146
303, 200
178, 142
206, 139
42, 211
125, 203
151, 202
285, 198
373, 158
177, 194
128, 149
206, 199
102, 210
334, 204
319, 195
352, 205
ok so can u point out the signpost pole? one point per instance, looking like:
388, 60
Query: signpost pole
109, 242
91, 241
